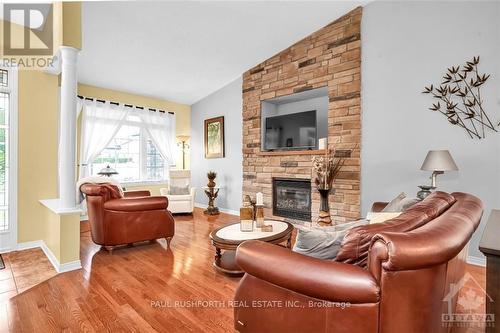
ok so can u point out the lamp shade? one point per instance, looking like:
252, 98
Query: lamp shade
183, 138
107, 171
439, 160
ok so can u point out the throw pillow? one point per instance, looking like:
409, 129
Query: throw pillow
323, 242
381, 217
407, 203
395, 204
178, 190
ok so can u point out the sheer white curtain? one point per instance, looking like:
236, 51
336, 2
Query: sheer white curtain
100, 123
161, 130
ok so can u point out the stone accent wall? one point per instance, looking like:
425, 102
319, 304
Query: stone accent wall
329, 57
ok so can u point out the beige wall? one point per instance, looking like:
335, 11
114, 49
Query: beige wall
62, 235
67, 24
72, 24
182, 111
37, 164
38, 143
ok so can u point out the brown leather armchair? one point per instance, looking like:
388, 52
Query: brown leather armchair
405, 286
117, 219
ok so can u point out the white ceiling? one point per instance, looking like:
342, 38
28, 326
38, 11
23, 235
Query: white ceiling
183, 51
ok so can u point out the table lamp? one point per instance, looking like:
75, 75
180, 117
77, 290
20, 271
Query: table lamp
107, 171
438, 161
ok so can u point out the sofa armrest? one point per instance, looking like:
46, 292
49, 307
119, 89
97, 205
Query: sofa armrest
378, 206
137, 204
322, 279
135, 194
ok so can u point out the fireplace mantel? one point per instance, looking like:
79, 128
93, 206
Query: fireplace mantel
292, 152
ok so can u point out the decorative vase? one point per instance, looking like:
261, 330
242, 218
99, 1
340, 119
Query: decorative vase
324, 218
246, 216
211, 177
425, 191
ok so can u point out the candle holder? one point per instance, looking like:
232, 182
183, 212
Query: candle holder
259, 216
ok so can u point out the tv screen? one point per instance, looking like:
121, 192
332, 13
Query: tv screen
291, 131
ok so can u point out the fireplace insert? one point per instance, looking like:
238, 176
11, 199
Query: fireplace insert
292, 198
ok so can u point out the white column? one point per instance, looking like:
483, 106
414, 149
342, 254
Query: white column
67, 127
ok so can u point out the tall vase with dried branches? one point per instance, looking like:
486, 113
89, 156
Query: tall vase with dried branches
325, 170
460, 93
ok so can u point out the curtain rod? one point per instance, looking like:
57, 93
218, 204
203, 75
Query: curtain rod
126, 105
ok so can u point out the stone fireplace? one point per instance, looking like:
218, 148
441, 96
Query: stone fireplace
292, 198
329, 59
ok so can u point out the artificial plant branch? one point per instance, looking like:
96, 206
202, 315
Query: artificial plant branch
458, 87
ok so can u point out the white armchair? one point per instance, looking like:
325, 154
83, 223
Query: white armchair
179, 192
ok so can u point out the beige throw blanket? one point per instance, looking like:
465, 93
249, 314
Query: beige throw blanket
94, 180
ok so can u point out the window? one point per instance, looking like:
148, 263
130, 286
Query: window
4, 78
155, 164
4, 153
5, 102
132, 154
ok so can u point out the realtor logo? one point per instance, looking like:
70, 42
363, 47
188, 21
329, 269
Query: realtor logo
27, 29
471, 303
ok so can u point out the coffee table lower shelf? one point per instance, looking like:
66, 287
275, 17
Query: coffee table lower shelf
226, 263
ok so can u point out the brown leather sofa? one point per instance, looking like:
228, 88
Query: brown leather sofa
396, 283
118, 219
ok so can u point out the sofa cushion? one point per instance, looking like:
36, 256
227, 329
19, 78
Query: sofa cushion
356, 243
179, 190
401, 205
381, 217
395, 204
184, 197
322, 242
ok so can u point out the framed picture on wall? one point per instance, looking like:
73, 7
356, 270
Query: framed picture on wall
214, 137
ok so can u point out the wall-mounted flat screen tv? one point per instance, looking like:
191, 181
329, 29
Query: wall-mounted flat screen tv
295, 131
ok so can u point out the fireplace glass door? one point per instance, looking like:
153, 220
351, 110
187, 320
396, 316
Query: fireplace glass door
292, 198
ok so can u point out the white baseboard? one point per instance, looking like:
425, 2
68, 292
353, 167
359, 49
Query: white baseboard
21, 246
60, 268
224, 210
476, 261
29, 245
5, 250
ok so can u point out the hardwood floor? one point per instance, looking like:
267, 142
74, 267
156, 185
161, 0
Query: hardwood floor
473, 289
136, 289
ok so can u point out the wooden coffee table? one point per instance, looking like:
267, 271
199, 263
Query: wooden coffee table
228, 238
